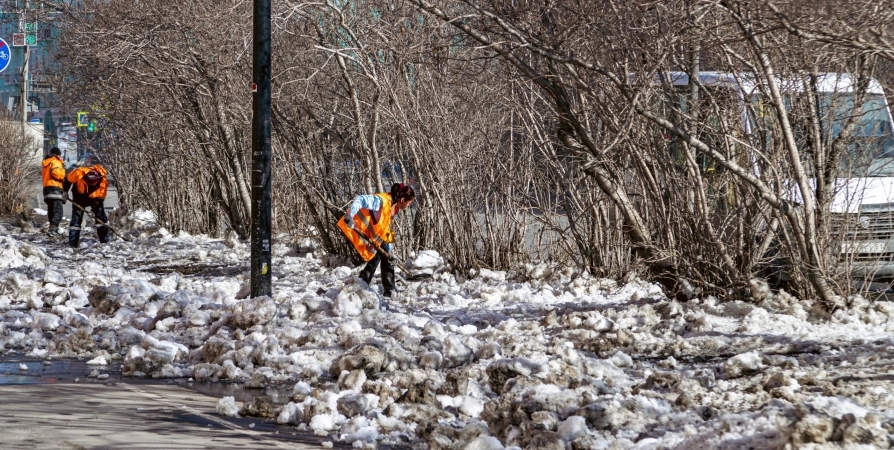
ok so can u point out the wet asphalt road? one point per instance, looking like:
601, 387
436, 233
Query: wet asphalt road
57, 406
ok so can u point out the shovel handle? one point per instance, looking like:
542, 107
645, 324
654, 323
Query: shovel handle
384, 253
100, 221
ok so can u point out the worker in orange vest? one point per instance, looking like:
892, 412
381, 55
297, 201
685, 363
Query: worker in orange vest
53, 174
89, 187
370, 215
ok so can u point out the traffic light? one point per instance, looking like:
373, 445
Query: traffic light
30, 33
92, 126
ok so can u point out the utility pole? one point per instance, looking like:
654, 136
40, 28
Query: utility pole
261, 277
26, 55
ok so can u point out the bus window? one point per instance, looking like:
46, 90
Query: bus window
870, 150
719, 116
870, 145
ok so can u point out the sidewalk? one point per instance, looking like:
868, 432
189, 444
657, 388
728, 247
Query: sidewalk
127, 416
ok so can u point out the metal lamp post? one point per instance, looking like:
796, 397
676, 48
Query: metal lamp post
261, 271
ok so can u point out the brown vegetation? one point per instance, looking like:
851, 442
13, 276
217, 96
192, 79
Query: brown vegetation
530, 129
19, 167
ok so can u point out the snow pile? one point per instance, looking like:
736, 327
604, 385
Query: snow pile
154, 357
227, 407
485, 443
15, 254
256, 311
542, 357
99, 360
744, 364
16, 287
426, 262
143, 217
353, 299
826, 420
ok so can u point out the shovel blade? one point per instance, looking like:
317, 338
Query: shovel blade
406, 275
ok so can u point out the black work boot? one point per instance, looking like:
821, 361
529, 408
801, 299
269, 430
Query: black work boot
74, 227
387, 277
74, 237
369, 270
99, 211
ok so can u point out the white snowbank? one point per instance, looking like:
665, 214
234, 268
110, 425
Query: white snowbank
542, 356
227, 407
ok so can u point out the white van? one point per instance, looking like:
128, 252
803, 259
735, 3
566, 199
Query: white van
863, 204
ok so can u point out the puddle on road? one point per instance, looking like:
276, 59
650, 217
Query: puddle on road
279, 395
39, 373
67, 370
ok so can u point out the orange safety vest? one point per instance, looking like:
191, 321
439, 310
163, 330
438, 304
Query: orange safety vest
378, 232
53, 172
76, 177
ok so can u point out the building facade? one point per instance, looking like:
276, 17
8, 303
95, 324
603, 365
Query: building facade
42, 67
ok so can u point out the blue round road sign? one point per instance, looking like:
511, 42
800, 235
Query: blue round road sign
5, 55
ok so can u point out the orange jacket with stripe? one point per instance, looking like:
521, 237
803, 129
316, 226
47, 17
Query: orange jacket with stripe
375, 231
82, 191
53, 172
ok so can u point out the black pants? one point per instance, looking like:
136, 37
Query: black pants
53, 198
77, 216
387, 272
54, 213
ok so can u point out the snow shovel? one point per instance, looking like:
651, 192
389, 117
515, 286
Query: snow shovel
100, 222
407, 275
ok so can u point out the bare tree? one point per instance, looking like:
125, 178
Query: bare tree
557, 47
531, 130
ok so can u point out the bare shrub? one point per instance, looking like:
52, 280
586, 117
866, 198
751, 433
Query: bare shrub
700, 199
19, 167
531, 130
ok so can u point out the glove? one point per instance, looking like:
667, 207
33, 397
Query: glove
64, 196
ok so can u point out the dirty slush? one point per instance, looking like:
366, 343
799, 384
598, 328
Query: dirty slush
546, 357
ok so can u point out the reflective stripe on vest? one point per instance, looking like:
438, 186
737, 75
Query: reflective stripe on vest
366, 245
375, 237
370, 232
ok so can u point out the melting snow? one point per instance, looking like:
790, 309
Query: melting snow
227, 407
542, 357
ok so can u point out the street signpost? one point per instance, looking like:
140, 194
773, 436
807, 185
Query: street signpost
261, 217
27, 36
83, 119
5, 55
